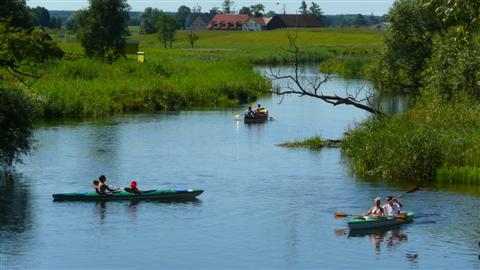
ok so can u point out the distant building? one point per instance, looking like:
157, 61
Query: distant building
228, 22
200, 22
256, 24
293, 21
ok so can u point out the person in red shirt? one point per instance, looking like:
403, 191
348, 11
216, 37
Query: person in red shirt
133, 186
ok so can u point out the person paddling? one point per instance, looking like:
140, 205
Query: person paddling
392, 208
96, 185
376, 210
103, 186
250, 113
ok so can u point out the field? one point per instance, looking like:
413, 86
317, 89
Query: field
257, 47
217, 72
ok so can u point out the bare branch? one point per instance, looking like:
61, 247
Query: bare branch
312, 87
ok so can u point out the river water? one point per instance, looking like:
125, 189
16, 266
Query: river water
264, 206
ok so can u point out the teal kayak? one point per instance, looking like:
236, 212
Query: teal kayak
365, 223
153, 195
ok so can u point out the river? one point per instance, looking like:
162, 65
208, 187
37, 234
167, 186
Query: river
264, 206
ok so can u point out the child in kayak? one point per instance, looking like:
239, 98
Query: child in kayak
133, 186
376, 210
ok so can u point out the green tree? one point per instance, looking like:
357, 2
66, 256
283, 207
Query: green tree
303, 8
40, 16
407, 46
149, 19
227, 6
21, 47
360, 20
214, 11
316, 11
103, 32
182, 14
167, 28
16, 125
270, 13
257, 10
244, 10
71, 24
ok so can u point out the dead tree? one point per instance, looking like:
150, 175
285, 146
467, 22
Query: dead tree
313, 87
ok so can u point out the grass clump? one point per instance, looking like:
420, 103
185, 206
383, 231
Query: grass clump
413, 145
458, 175
315, 142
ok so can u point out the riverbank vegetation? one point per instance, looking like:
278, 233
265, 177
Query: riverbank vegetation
438, 138
315, 142
90, 88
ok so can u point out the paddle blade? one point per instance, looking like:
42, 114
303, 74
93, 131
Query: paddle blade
401, 216
340, 215
412, 189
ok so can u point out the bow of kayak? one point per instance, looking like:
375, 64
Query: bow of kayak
365, 223
153, 195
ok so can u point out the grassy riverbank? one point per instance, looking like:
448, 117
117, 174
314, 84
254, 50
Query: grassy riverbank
91, 88
217, 72
428, 142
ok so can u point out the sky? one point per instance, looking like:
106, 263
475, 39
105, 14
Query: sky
329, 7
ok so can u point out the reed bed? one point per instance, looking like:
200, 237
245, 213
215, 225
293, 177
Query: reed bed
458, 175
91, 88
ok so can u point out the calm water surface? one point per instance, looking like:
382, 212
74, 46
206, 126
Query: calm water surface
264, 207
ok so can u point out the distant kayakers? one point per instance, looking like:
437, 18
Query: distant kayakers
376, 210
392, 208
250, 113
258, 113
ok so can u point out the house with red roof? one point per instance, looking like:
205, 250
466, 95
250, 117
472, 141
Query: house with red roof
228, 22
256, 24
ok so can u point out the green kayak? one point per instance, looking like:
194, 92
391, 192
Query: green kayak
153, 195
365, 223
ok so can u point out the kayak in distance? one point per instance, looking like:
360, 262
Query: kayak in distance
149, 195
365, 223
255, 120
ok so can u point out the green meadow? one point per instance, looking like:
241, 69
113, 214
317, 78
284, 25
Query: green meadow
218, 72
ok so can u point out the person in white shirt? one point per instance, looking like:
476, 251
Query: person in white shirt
392, 208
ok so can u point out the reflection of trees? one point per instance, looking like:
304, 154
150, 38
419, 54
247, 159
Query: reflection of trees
15, 216
14, 204
391, 103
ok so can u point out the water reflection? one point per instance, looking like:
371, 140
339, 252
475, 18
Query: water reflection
15, 214
15, 217
391, 238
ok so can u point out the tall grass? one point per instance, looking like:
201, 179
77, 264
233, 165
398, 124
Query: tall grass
88, 87
413, 145
458, 175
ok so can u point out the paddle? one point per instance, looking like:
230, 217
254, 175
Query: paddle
401, 216
343, 214
411, 189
